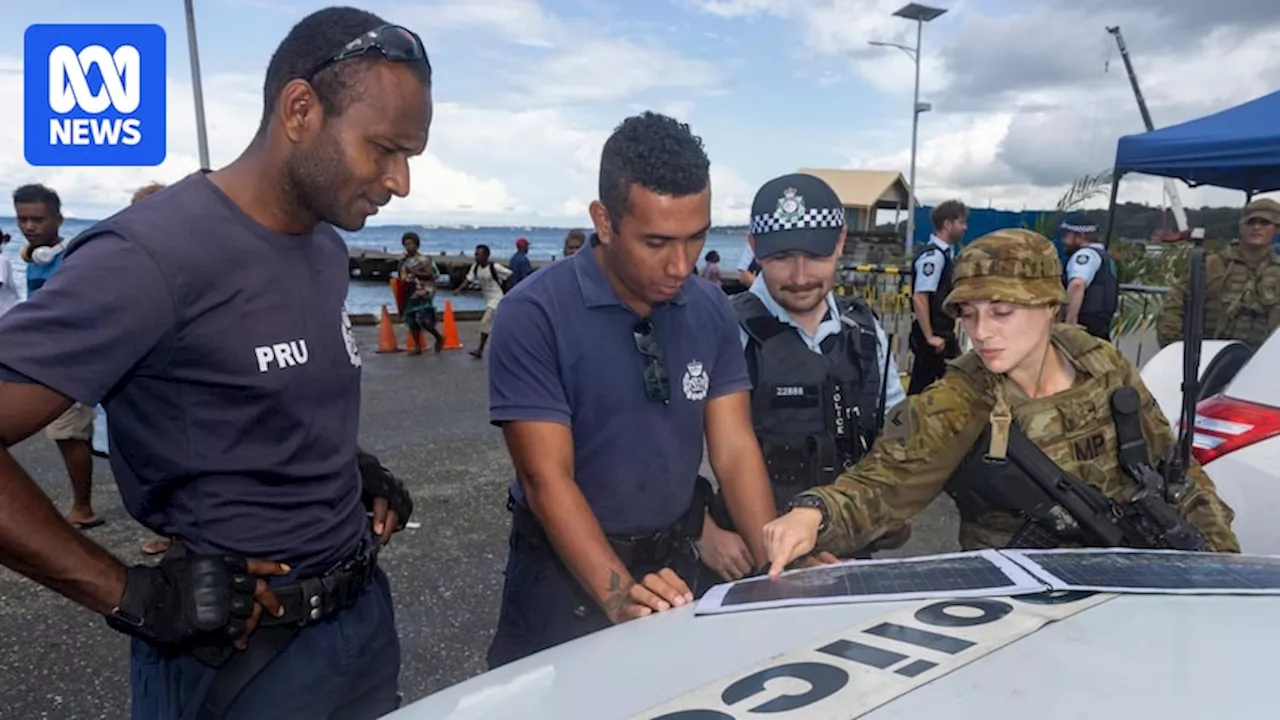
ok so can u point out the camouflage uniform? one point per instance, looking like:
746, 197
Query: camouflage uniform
1241, 298
928, 436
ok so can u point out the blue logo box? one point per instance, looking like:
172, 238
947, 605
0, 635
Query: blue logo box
94, 95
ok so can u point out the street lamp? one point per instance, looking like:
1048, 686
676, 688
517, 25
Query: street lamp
921, 14
197, 90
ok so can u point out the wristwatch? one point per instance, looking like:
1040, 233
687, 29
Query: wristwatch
814, 502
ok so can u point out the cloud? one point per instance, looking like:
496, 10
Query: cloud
525, 151
565, 60
1027, 99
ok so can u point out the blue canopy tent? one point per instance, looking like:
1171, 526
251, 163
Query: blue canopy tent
1236, 148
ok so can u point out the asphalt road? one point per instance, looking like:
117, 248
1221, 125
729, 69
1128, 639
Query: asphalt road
426, 418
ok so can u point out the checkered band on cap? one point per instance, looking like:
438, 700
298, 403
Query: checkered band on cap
1083, 229
829, 218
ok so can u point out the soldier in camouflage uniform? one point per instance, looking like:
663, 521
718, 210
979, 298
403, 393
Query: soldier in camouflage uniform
1242, 285
1053, 380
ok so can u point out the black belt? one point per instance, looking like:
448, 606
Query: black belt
635, 551
338, 588
305, 601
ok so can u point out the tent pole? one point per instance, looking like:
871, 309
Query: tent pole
1116, 174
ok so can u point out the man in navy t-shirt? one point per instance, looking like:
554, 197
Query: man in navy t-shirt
606, 371
219, 345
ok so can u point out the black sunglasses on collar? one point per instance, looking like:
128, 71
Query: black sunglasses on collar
395, 43
657, 388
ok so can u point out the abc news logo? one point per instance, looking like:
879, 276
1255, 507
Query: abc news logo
69, 89
94, 95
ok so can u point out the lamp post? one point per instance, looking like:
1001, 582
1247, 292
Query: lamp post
921, 14
197, 90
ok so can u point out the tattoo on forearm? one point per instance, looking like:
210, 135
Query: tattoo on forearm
619, 593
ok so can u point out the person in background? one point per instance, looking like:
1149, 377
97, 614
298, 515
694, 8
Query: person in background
490, 276
748, 267
8, 291
521, 267
418, 277
933, 338
1093, 288
574, 241
146, 191
39, 213
1241, 285
711, 271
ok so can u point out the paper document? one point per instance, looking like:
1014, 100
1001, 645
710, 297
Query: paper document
983, 573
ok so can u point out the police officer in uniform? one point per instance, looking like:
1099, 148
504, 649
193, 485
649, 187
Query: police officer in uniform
234, 400
933, 339
817, 360
1026, 378
606, 371
1242, 285
1093, 290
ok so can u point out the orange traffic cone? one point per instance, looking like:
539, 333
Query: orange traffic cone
411, 343
386, 334
451, 339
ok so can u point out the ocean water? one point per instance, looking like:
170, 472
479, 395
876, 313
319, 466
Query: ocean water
370, 296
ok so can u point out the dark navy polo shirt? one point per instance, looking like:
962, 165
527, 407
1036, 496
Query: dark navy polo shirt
562, 350
222, 354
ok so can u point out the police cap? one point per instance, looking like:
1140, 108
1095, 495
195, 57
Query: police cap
1013, 265
796, 212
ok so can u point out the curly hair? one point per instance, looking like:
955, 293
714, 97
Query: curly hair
656, 152
315, 38
146, 191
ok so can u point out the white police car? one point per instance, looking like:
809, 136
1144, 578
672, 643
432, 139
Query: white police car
1237, 428
1101, 657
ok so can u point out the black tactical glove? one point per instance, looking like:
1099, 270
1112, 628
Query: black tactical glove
378, 482
186, 602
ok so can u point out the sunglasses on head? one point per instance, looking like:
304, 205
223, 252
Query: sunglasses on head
656, 386
395, 43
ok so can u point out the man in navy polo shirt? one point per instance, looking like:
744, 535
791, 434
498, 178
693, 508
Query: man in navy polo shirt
605, 372
219, 345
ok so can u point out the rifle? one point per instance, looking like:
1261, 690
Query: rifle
1175, 469
1060, 504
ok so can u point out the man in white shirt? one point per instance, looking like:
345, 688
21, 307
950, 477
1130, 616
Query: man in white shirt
8, 289
491, 277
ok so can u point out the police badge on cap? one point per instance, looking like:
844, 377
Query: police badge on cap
797, 212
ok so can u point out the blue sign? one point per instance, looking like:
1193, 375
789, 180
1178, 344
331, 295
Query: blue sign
94, 95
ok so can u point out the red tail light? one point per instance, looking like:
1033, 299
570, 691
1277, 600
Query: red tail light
1225, 424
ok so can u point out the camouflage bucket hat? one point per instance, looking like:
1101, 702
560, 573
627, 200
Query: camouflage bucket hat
1015, 266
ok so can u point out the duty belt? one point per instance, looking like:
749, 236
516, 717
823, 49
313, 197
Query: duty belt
312, 599
338, 588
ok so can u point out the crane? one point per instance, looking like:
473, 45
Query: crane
1170, 190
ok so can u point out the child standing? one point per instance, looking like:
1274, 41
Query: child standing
418, 273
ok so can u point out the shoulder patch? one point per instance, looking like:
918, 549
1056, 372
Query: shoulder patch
1082, 259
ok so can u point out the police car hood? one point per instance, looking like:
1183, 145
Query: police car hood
1112, 656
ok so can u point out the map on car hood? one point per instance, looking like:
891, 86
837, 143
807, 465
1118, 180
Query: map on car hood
1009, 573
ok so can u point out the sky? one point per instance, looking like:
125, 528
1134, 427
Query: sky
526, 91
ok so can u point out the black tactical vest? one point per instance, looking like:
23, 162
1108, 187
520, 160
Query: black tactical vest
942, 323
814, 415
1101, 297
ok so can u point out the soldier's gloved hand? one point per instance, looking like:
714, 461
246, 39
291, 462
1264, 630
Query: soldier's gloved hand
196, 600
384, 496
